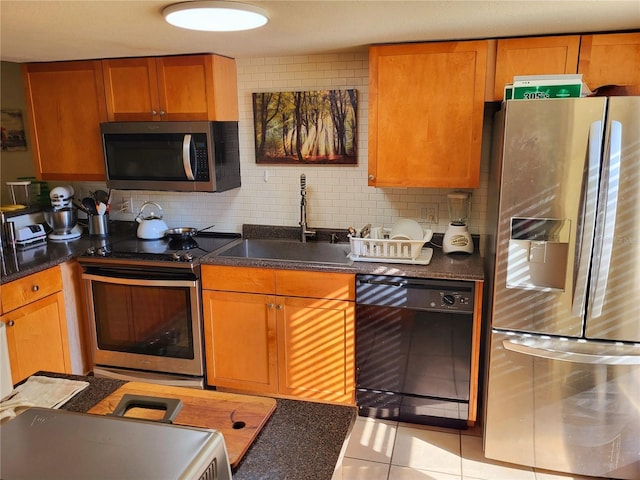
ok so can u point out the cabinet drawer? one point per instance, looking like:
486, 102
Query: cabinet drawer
238, 279
29, 289
295, 283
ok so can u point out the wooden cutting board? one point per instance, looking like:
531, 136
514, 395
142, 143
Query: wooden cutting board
224, 412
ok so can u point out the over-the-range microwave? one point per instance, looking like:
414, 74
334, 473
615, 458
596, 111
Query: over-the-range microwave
171, 156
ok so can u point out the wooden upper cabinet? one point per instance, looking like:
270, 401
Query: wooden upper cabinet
534, 56
65, 104
180, 88
611, 59
426, 104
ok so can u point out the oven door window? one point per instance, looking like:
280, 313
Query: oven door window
148, 320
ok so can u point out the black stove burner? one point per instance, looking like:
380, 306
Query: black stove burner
187, 243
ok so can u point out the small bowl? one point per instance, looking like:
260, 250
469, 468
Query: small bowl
406, 229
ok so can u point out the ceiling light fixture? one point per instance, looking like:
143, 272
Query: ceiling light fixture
215, 16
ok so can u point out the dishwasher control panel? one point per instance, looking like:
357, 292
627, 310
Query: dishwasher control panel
415, 293
450, 300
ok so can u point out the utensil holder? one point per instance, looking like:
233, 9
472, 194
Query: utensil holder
99, 225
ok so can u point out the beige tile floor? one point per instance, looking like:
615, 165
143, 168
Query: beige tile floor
386, 450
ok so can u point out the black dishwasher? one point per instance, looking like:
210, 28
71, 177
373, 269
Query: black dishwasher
413, 349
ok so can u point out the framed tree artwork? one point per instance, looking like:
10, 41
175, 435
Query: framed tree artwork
12, 129
316, 127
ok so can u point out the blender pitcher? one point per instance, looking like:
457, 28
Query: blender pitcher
457, 237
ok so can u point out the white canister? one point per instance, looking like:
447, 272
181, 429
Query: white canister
6, 384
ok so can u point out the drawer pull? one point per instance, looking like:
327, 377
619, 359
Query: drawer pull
35, 288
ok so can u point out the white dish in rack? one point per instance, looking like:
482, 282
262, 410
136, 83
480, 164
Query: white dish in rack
406, 229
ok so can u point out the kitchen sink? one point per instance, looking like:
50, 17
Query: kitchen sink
290, 251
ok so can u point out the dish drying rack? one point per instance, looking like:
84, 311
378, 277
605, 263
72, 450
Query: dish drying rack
391, 250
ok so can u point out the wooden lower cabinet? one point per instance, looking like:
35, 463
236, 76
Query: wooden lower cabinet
240, 341
316, 349
286, 345
37, 338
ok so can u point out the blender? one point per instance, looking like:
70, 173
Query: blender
62, 216
457, 237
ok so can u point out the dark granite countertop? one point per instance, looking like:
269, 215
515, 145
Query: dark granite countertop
302, 440
442, 266
26, 261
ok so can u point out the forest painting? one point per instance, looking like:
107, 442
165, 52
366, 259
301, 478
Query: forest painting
306, 127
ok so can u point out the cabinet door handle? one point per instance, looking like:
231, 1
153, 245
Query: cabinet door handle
372, 178
10, 323
162, 112
35, 288
279, 306
154, 112
270, 305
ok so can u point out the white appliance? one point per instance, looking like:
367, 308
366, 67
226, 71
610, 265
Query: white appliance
563, 383
457, 237
62, 218
29, 234
6, 383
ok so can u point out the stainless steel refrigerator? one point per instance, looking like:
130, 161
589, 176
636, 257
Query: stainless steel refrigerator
563, 388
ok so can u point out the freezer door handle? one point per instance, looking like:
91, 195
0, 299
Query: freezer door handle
607, 213
556, 349
589, 205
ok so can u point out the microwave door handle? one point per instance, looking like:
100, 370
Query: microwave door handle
585, 242
186, 157
607, 219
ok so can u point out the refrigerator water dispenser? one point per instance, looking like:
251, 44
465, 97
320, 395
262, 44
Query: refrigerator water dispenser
538, 253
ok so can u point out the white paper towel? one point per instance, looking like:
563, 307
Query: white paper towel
6, 384
39, 391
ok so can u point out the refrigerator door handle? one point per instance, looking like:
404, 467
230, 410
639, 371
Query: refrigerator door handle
608, 211
552, 350
590, 203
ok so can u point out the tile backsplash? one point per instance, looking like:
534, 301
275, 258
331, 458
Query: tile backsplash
337, 196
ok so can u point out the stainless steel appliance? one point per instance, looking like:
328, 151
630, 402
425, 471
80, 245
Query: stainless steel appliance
77, 446
413, 349
144, 307
174, 156
564, 368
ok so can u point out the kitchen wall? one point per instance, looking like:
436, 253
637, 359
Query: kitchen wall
337, 196
20, 163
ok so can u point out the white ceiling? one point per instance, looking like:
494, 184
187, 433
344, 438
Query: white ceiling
48, 30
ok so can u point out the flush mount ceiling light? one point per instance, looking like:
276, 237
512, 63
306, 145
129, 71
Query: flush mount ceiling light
215, 16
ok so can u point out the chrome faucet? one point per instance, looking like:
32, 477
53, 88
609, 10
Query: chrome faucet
304, 228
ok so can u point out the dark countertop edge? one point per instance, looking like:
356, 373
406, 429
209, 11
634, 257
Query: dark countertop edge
446, 268
301, 438
442, 266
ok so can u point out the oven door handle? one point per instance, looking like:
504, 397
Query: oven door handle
140, 282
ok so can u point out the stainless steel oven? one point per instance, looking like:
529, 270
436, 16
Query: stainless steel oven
147, 321
144, 307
